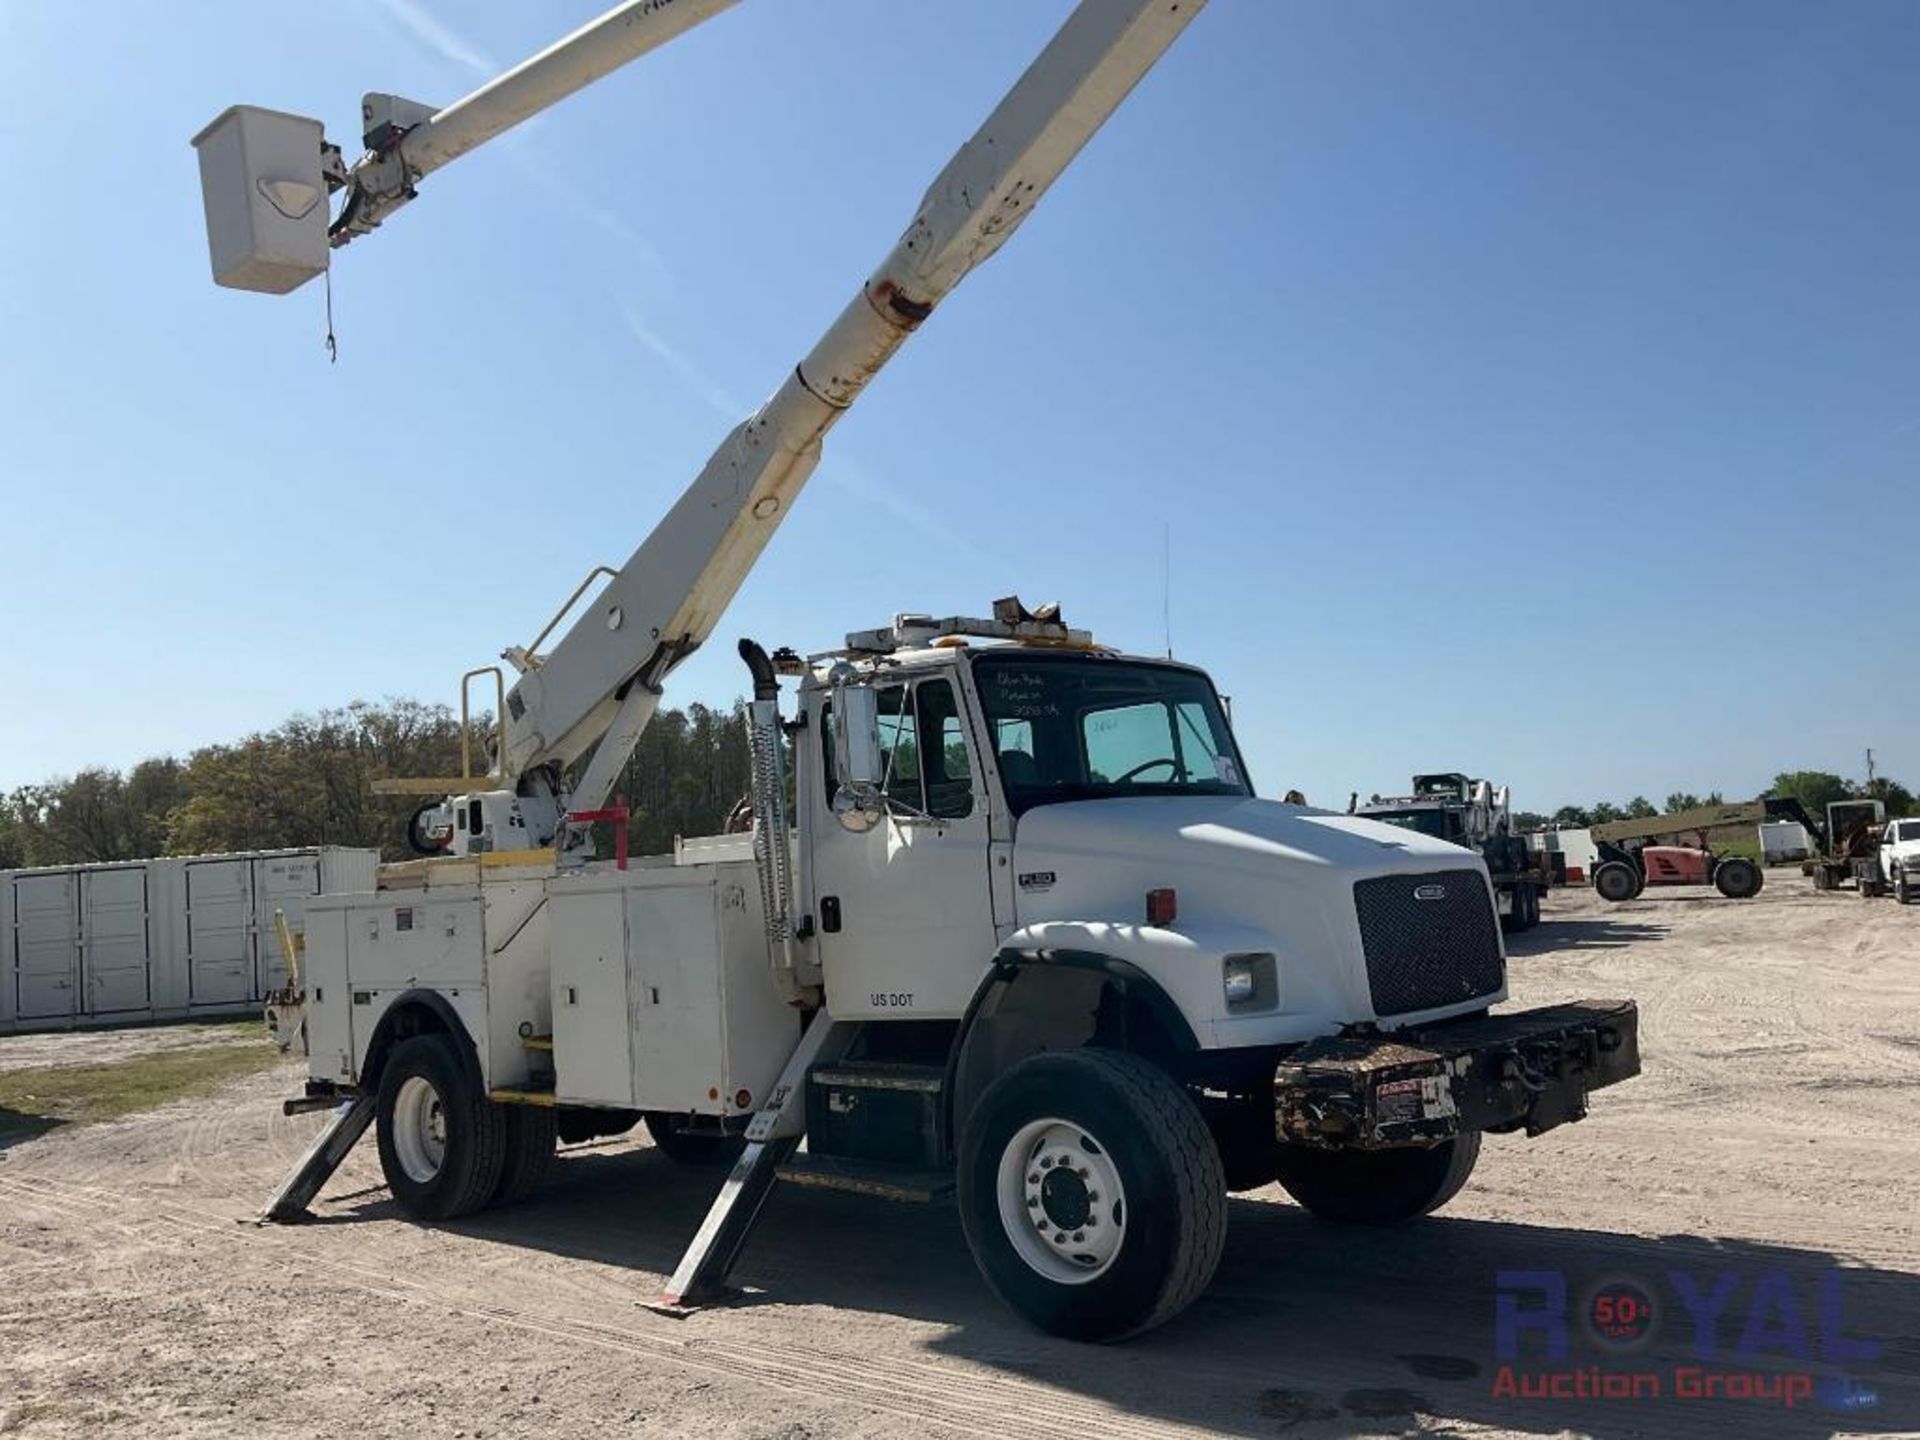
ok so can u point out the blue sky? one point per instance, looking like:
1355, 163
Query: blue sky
1528, 389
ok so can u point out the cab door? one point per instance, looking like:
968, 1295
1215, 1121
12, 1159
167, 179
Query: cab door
903, 913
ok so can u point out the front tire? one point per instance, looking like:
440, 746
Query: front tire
1616, 881
1902, 889
1737, 878
442, 1142
1091, 1194
1377, 1187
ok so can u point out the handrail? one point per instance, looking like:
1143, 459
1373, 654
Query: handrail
466, 719
594, 574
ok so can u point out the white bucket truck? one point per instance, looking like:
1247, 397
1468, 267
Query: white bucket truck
1023, 933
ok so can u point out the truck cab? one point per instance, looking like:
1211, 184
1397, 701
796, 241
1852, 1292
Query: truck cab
1051, 798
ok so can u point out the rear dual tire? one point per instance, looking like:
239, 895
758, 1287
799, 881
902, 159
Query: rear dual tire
705, 1149
1524, 911
443, 1144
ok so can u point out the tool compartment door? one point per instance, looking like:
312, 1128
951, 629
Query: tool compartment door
592, 1034
329, 1002
46, 944
113, 927
220, 932
673, 984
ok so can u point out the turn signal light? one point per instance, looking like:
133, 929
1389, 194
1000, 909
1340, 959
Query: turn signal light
1162, 907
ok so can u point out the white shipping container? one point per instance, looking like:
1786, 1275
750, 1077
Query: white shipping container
162, 939
1784, 840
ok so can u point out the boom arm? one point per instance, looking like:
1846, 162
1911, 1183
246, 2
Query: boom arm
1711, 817
601, 683
407, 142
599, 686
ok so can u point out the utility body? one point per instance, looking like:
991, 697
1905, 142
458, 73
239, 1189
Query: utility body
1008, 921
1476, 816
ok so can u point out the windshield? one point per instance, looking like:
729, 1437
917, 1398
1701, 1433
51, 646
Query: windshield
1079, 728
1427, 822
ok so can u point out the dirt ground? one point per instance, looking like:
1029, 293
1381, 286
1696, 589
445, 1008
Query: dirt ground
104, 1047
1774, 1137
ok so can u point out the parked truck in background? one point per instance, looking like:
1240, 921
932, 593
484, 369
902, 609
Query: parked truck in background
1892, 866
1025, 934
1475, 816
1851, 835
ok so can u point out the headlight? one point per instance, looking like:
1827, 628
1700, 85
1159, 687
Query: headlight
1250, 982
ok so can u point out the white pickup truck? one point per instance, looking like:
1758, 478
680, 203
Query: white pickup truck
1898, 860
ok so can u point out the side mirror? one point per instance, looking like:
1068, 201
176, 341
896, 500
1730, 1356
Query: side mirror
857, 756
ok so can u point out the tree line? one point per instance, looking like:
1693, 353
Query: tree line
1814, 789
309, 781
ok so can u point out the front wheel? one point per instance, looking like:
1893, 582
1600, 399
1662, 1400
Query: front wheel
1902, 889
442, 1142
1616, 881
1377, 1187
1738, 878
1091, 1194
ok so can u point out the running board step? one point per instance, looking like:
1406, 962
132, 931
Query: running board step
873, 1113
521, 1097
536, 1042
861, 1177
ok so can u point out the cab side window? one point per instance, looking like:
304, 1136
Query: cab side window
923, 742
943, 751
900, 744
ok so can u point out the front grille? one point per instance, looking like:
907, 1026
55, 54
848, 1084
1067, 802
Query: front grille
1423, 953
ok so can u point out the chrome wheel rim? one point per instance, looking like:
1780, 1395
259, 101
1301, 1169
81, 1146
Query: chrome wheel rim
419, 1129
1061, 1201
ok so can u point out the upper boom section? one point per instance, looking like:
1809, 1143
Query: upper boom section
266, 175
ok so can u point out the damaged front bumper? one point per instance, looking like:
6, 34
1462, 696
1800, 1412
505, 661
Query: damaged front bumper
1531, 1070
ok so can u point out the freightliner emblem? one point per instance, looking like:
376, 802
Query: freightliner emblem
1430, 892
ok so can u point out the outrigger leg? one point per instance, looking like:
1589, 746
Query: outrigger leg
772, 1137
323, 1157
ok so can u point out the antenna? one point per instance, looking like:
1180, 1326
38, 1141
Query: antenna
1166, 584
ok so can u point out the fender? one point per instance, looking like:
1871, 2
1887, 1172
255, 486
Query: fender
403, 1020
1051, 997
